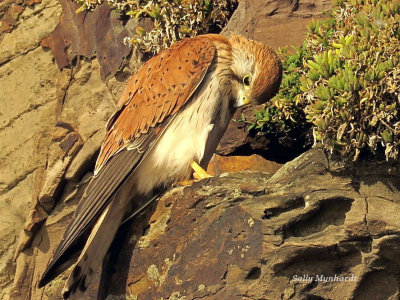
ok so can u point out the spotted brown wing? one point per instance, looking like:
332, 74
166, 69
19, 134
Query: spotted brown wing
157, 91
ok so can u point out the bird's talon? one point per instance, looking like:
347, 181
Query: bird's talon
199, 172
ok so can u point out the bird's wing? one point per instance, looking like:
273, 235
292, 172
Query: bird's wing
158, 90
152, 97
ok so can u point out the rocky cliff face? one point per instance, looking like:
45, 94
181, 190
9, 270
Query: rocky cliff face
28, 83
250, 235
51, 125
242, 234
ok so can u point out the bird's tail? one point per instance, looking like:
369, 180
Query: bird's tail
95, 248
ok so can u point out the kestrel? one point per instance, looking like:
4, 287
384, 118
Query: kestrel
169, 120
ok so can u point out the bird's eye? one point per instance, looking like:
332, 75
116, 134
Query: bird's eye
246, 80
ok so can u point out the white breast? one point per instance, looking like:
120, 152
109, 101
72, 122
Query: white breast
185, 139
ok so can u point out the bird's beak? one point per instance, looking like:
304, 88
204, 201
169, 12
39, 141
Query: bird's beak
241, 100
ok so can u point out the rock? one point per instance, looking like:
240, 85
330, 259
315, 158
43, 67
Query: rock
277, 23
255, 236
223, 164
51, 126
38, 21
236, 134
237, 139
83, 34
28, 80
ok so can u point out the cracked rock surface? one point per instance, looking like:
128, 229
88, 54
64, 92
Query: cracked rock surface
252, 236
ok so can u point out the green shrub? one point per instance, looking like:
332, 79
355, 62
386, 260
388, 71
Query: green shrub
347, 83
351, 88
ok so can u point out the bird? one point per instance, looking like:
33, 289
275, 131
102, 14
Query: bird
167, 125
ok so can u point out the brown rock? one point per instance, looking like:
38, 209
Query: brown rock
249, 235
223, 164
34, 27
238, 137
82, 114
28, 81
277, 23
87, 34
51, 125
10, 10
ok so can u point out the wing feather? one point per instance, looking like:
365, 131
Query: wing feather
96, 198
167, 80
146, 107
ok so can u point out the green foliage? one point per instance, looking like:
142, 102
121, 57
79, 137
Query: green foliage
345, 80
351, 84
173, 19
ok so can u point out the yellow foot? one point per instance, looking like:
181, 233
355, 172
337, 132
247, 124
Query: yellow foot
199, 172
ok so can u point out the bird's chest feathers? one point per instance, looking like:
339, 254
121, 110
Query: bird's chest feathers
185, 139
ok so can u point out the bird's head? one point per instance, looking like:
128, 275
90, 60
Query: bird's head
257, 71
